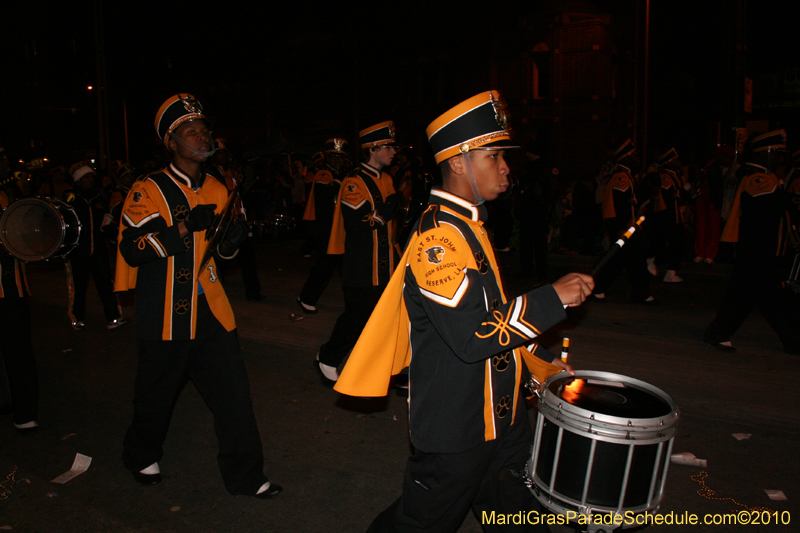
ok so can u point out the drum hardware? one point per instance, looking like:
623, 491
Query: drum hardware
601, 448
39, 229
280, 224
219, 227
793, 283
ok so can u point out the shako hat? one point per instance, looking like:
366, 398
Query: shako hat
624, 150
479, 123
336, 145
378, 135
668, 157
178, 110
768, 142
318, 158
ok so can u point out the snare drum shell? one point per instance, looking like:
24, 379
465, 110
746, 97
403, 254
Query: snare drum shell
584, 459
607, 473
36, 229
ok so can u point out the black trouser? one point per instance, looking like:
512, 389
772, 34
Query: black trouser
440, 488
632, 258
324, 265
20, 364
214, 362
248, 266
757, 282
670, 242
359, 302
79, 266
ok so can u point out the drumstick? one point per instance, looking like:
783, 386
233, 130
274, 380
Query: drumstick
564, 350
616, 247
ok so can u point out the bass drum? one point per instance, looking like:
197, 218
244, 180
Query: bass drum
37, 229
602, 445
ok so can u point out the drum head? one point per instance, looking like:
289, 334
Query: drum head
619, 399
31, 229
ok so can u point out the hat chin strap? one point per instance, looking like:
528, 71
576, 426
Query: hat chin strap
471, 178
192, 148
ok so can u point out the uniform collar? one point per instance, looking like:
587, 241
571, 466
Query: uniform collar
459, 205
182, 178
372, 171
622, 168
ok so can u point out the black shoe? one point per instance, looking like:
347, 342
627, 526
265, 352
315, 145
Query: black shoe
254, 297
272, 491
147, 479
306, 310
721, 347
322, 377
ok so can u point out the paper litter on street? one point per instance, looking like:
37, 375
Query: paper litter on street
79, 466
688, 459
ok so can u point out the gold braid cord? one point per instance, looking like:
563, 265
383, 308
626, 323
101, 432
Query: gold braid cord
7, 484
707, 492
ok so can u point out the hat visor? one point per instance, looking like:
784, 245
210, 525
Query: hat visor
502, 144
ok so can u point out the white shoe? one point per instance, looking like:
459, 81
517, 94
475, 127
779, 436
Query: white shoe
699, 259
651, 266
672, 277
151, 470
709, 261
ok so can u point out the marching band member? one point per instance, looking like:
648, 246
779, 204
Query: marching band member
184, 323
445, 316
363, 231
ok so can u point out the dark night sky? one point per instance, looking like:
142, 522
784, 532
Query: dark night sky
287, 70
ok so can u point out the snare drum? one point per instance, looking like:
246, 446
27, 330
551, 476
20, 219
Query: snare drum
37, 229
602, 444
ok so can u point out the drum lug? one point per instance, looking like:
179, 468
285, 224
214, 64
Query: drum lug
535, 386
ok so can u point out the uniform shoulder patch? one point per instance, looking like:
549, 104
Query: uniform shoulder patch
138, 204
438, 262
354, 192
620, 181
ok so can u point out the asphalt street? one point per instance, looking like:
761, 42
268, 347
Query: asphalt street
340, 459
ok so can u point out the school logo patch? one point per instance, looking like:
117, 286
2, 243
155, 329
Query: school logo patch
137, 197
435, 254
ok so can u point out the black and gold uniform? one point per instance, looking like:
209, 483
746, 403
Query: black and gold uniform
363, 228
91, 254
184, 322
167, 291
619, 204
761, 224
319, 211
460, 338
445, 316
363, 231
670, 235
15, 342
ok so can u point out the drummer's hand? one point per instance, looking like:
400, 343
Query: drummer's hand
200, 217
561, 364
573, 289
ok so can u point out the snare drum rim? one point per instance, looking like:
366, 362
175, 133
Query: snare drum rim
559, 406
612, 433
51, 205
